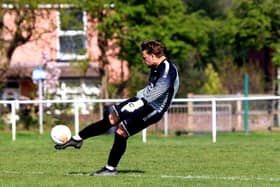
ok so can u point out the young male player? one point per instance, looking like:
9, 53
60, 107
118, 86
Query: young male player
137, 113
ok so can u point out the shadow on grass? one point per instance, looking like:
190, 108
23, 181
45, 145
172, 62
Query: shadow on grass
131, 171
81, 173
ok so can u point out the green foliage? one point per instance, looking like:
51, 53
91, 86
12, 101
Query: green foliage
213, 84
136, 81
2, 123
196, 33
253, 24
81, 65
213, 9
27, 116
191, 78
132, 22
163, 21
276, 55
250, 25
71, 19
232, 76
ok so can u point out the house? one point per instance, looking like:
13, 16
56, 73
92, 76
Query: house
58, 48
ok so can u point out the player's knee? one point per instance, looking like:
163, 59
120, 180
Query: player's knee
120, 131
111, 114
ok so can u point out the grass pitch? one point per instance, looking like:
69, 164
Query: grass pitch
235, 160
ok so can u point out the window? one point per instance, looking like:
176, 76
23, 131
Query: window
71, 34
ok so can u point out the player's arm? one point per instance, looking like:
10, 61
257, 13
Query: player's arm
152, 92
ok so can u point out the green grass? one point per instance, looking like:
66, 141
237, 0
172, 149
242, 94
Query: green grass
235, 160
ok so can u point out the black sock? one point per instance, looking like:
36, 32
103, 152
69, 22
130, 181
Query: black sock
117, 150
95, 129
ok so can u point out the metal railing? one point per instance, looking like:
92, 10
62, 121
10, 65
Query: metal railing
212, 100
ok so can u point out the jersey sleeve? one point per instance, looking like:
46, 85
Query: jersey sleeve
154, 90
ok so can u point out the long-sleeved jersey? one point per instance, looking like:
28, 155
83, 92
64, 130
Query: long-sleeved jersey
162, 87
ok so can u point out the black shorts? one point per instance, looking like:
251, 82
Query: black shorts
133, 122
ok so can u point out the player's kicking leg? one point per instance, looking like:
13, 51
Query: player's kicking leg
110, 118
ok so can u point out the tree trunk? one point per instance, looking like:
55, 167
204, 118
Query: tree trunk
4, 64
104, 83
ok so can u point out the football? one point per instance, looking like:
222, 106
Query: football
60, 134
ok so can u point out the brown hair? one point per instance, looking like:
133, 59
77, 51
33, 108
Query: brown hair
153, 47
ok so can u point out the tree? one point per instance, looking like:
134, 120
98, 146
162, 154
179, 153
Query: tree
213, 84
122, 25
194, 37
213, 9
109, 26
185, 36
272, 10
20, 29
250, 34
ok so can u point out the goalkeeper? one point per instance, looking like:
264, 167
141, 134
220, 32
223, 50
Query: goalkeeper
137, 113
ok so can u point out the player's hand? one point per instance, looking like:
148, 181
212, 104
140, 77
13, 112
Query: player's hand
132, 106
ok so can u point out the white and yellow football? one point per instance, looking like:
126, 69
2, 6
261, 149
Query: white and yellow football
60, 134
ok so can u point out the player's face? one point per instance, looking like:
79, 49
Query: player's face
148, 58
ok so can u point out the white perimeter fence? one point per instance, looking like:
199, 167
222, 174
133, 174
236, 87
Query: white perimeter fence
189, 104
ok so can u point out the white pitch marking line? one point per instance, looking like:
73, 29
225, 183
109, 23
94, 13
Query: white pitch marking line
230, 178
77, 174
22, 172
187, 177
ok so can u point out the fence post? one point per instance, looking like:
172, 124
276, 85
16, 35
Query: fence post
190, 113
101, 110
144, 135
239, 115
41, 113
214, 120
246, 104
165, 121
13, 119
76, 113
